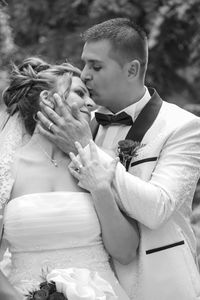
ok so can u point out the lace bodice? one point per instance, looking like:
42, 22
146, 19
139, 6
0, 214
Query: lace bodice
46, 231
53, 230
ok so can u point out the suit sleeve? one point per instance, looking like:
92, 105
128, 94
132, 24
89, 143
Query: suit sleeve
173, 180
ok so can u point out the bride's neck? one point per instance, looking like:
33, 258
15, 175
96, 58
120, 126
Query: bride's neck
42, 143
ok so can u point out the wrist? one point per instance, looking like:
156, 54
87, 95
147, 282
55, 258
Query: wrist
101, 187
85, 141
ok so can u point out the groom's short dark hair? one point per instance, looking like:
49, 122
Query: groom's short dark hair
128, 40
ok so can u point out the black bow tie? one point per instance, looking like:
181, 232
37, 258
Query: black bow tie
122, 118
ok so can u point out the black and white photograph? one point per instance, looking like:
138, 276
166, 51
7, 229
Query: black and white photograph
99, 150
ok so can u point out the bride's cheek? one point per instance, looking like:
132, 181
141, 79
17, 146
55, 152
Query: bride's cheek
70, 98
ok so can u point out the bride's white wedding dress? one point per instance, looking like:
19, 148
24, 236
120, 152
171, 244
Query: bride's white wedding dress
54, 230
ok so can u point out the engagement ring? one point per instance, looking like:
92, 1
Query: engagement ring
78, 170
50, 125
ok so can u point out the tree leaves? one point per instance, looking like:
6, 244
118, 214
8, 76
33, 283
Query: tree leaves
52, 29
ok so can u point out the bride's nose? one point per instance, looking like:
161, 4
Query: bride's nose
90, 103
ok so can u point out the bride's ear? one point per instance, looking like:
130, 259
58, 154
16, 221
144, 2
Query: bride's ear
47, 99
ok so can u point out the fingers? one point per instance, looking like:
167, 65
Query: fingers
62, 107
74, 173
58, 103
76, 163
72, 156
82, 154
44, 121
75, 111
93, 150
75, 167
51, 116
83, 157
47, 133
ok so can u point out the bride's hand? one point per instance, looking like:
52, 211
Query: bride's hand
91, 173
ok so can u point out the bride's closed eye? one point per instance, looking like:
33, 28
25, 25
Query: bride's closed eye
79, 92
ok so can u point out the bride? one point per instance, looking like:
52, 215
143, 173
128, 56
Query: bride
50, 222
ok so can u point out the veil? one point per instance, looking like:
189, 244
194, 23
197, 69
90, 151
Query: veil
11, 137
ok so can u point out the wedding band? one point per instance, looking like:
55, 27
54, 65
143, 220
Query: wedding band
78, 170
50, 125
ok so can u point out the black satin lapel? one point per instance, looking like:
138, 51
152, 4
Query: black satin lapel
94, 126
146, 117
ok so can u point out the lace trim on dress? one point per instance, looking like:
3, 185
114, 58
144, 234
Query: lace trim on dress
30, 265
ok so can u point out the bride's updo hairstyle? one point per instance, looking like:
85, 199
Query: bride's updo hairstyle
27, 81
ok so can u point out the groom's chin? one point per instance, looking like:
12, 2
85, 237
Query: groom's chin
97, 99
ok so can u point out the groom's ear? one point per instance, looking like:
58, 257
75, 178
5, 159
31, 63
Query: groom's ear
133, 68
47, 99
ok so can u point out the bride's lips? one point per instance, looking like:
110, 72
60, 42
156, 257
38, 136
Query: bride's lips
85, 112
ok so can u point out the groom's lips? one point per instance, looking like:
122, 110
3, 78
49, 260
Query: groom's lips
91, 92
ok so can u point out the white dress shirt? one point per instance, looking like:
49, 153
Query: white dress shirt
108, 137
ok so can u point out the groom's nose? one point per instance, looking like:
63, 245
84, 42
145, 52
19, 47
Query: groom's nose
85, 74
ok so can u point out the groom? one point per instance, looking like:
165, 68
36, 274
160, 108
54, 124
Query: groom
158, 188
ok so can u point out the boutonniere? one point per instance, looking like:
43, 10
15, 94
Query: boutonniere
127, 149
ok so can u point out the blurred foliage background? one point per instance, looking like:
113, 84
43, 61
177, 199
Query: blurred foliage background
51, 29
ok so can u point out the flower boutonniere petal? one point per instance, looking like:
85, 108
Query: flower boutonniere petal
127, 149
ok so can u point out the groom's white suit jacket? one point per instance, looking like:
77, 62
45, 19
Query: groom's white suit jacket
157, 191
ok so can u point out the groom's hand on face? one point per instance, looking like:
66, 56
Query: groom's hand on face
65, 127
